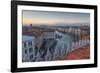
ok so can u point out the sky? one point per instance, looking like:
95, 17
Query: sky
51, 17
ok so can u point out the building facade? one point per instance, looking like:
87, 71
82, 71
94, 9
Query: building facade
28, 48
49, 35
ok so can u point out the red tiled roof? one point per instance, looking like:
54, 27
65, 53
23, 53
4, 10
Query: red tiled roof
81, 53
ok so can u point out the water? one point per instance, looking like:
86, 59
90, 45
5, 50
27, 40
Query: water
63, 46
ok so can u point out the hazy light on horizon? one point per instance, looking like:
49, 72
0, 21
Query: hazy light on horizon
45, 17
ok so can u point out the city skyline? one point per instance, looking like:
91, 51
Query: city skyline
51, 17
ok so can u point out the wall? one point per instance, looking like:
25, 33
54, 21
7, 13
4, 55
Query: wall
5, 36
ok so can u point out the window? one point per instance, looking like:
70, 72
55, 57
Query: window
31, 56
25, 44
25, 51
30, 43
30, 50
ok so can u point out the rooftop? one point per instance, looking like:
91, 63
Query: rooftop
27, 38
81, 53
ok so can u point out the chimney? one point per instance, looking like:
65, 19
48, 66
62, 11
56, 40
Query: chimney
30, 25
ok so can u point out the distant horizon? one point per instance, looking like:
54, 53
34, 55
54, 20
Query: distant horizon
58, 24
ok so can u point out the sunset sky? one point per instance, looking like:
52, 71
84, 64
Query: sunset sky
45, 17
